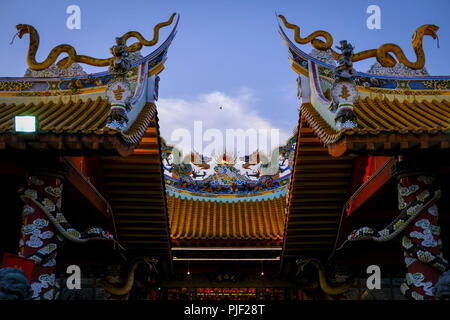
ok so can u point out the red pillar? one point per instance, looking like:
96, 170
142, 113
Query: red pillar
421, 242
40, 238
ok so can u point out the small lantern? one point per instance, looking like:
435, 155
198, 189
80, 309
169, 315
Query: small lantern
25, 123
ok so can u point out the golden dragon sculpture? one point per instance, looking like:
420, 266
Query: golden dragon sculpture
329, 289
382, 54
72, 53
124, 290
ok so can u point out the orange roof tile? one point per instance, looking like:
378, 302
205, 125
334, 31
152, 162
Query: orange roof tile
319, 189
214, 220
75, 117
376, 116
134, 185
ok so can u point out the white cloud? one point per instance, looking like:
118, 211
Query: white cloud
238, 112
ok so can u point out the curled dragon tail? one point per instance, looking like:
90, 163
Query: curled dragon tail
316, 43
329, 289
384, 54
128, 285
72, 55
142, 42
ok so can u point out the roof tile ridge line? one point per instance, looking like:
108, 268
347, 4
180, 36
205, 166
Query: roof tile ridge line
39, 110
188, 219
221, 220
9, 108
233, 221
217, 221
403, 114
255, 218
239, 227
101, 118
207, 232
410, 112
94, 112
246, 226
267, 225
5, 115
170, 210
52, 107
214, 220
227, 216
182, 219
98, 117
371, 125
273, 212
199, 221
75, 107
369, 111
400, 121
87, 108
380, 114
33, 107
175, 217
183, 213
259, 225
9, 121
444, 101
426, 111
65, 126
54, 116
267, 206
281, 220
436, 107
143, 119
193, 220
325, 138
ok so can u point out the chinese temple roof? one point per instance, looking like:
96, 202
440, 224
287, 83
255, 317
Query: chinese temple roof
407, 123
73, 122
135, 186
392, 112
71, 112
320, 186
384, 114
214, 220
72, 116
228, 200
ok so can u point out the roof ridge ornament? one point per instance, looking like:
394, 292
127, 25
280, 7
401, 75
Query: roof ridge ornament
382, 54
344, 91
313, 37
121, 63
119, 91
72, 54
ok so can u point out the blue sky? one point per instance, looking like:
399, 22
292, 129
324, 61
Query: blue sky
225, 52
